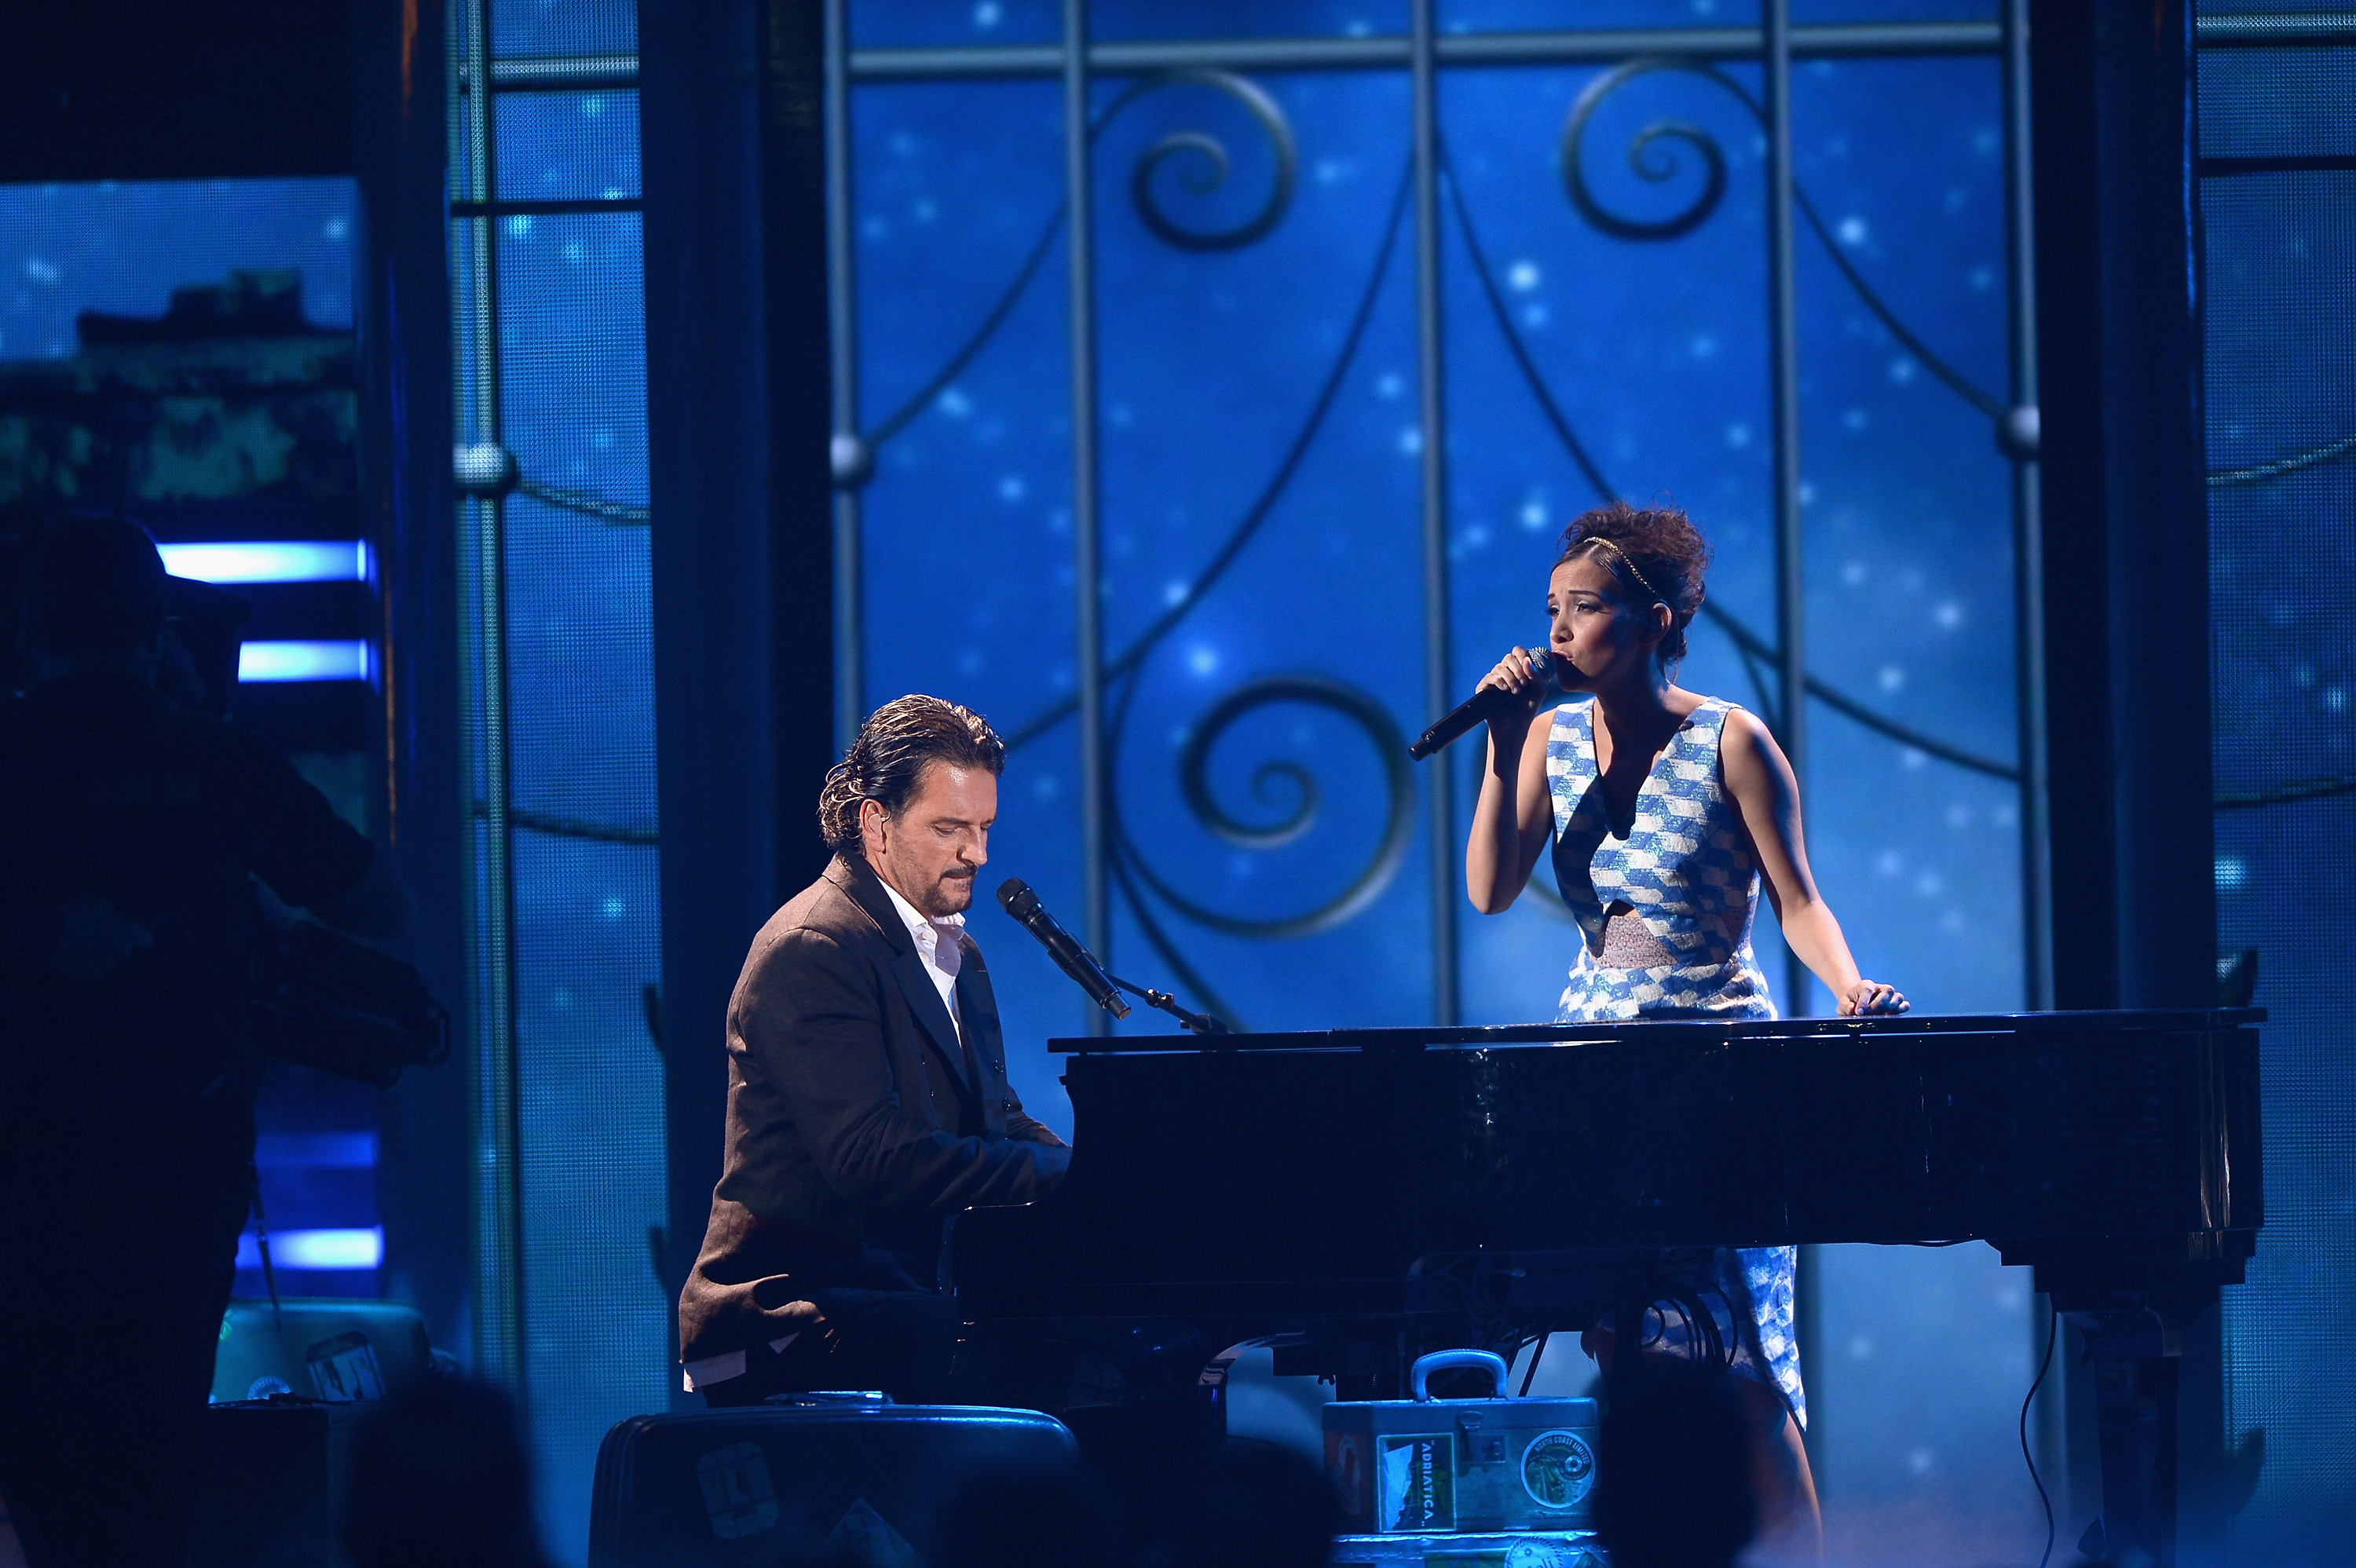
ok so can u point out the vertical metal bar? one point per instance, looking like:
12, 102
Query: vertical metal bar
2029, 643
1438, 692
499, 1276
849, 453
2027, 524
1096, 911
1784, 391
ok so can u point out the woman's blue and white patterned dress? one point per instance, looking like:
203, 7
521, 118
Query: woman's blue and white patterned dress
1685, 867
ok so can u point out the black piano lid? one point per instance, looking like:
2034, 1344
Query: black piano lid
2173, 1020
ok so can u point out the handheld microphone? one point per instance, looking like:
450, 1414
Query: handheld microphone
1475, 708
1015, 896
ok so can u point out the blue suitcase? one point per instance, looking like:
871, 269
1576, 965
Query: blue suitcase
846, 1476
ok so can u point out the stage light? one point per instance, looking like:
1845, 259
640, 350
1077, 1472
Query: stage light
316, 1151
285, 561
346, 660
315, 1249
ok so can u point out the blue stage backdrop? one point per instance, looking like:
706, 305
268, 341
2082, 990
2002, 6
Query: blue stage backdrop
2281, 317
1275, 586
1260, 459
550, 356
1291, 547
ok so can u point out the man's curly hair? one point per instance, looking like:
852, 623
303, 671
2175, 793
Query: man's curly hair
1654, 553
886, 764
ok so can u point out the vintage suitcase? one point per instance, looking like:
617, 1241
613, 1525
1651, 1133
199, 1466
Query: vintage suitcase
1461, 1466
272, 1492
831, 1477
320, 1348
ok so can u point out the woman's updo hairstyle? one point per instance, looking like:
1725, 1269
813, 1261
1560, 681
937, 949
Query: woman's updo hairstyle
1654, 553
886, 764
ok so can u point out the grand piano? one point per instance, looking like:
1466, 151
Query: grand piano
1357, 1196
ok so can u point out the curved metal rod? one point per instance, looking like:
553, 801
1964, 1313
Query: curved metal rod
1213, 154
1262, 107
1746, 640
1574, 170
1362, 708
557, 826
1124, 852
2281, 794
899, 419
1137, 652
624, 514
1685, 222
1955, 380
2256, 473
1850, 707
1513, 344
1188, 976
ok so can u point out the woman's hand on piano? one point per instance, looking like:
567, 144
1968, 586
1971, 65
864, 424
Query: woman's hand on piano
1870, 996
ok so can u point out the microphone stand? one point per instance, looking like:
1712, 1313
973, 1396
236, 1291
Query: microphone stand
1198, 1023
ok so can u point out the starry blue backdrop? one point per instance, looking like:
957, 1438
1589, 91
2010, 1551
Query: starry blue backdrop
1211, 365
2281, 406
1214, 365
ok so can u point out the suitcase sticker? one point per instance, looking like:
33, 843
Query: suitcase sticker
343, 1368
863, 1535
1417, 1484
737, 1494
1346, 1466
1557, 1469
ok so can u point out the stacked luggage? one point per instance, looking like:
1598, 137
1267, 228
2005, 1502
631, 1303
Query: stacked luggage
292, 1380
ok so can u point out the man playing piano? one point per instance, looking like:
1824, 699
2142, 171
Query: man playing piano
867, 1092
1661, 808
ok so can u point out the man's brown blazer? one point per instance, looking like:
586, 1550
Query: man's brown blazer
858, 1122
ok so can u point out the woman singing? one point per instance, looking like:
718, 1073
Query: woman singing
1661, 808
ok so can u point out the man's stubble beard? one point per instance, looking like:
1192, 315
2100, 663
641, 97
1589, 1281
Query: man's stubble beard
954, 895
937, 900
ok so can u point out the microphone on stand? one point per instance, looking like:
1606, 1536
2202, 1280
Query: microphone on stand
1015, 896
1476, 709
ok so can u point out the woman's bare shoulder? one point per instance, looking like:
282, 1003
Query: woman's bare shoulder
1744, 726
1747, 750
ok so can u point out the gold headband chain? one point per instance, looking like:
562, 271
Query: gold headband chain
1657, 596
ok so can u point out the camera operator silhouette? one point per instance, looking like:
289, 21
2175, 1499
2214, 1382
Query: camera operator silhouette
134, 827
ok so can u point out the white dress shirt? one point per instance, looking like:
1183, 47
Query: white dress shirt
937, 944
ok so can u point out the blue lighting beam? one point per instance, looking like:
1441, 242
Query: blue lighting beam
349, 660
354, 1249
283, 561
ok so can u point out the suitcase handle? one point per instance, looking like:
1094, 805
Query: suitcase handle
1442, 1360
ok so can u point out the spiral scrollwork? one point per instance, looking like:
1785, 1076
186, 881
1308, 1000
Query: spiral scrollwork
1207, 165
1651, 161
1273, 781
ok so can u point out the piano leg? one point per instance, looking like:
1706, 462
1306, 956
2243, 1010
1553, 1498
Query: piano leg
2135, 1357
2135, 1403
2133, 1309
